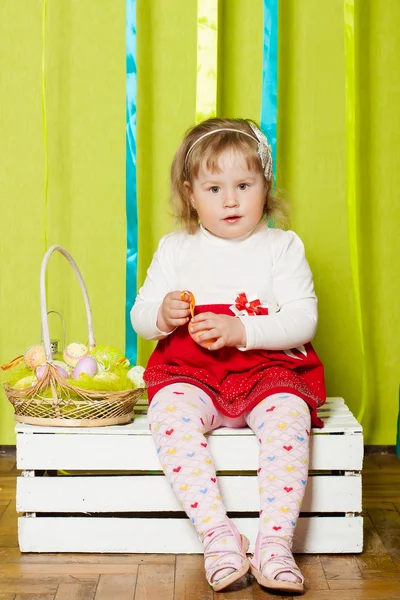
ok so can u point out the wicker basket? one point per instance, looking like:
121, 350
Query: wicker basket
68, 406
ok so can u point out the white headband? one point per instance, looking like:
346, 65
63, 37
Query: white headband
264, 150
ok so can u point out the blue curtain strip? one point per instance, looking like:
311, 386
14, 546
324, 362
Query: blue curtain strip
131, 197
268, 118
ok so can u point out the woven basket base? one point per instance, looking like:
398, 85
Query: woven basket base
120, 420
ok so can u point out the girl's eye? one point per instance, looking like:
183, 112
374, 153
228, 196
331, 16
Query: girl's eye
243, 186
214, 189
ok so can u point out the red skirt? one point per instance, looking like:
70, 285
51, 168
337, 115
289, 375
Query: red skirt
236, 380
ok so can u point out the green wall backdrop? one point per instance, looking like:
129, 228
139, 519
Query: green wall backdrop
86, 133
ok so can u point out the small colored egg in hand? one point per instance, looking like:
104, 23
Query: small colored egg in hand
74, 352
187, 296
87, 365
35, 356
205, 343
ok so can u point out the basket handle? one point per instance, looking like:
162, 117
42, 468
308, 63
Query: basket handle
43, 303
55, 312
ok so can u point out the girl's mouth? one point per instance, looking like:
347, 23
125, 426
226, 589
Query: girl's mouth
232, 219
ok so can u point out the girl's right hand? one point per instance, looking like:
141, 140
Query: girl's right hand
173, 312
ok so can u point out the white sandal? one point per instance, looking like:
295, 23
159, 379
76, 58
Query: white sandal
241, 566
283, 563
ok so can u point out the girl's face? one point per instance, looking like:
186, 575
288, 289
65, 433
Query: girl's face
230, 203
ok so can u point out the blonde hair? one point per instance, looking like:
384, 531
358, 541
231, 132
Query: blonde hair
186, 164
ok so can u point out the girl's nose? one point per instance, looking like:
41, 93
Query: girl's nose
230, 199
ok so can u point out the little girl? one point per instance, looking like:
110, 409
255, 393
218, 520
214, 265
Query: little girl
245, 357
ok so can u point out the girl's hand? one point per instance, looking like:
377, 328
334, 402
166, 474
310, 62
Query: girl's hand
172, 313
225, 330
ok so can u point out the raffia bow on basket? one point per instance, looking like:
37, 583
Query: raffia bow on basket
68, 405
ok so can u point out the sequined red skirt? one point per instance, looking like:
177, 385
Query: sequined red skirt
236, 380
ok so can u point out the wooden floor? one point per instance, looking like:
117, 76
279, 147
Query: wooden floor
374, 575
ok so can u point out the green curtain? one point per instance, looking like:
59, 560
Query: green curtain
86, 124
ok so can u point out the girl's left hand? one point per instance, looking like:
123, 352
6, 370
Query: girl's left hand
222, 329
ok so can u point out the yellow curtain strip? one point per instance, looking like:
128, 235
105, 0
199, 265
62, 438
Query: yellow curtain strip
207, 59
44, 124
45, 143
351, 185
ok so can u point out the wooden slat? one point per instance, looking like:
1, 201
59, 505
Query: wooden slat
354, 591
116, 587
81, 571
40, 584
32, 597
137, 452
140, 493
13, 555
155, 582
140, 427
190, 582
79, 534
75, 591
313, 572
8, 527
387, 524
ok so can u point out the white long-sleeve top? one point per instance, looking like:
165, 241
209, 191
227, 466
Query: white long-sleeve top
268, 264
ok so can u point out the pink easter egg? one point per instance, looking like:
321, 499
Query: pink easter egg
40, 371
62, 371
87, 365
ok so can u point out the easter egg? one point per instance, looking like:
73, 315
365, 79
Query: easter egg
61, 368
136, 376
25, 382
205, 343
35, 356
62, 365
74, 352
108, 357
87, 365
40, 371
63, 372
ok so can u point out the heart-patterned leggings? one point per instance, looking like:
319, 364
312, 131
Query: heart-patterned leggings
179, 416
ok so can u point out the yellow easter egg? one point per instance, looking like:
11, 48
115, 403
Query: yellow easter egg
35, 356
25, 382
74, 352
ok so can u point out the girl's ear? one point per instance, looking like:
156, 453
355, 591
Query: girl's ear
189, 191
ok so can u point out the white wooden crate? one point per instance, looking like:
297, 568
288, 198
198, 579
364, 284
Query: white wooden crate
116, 499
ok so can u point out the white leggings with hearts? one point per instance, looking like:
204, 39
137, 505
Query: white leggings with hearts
180, 415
